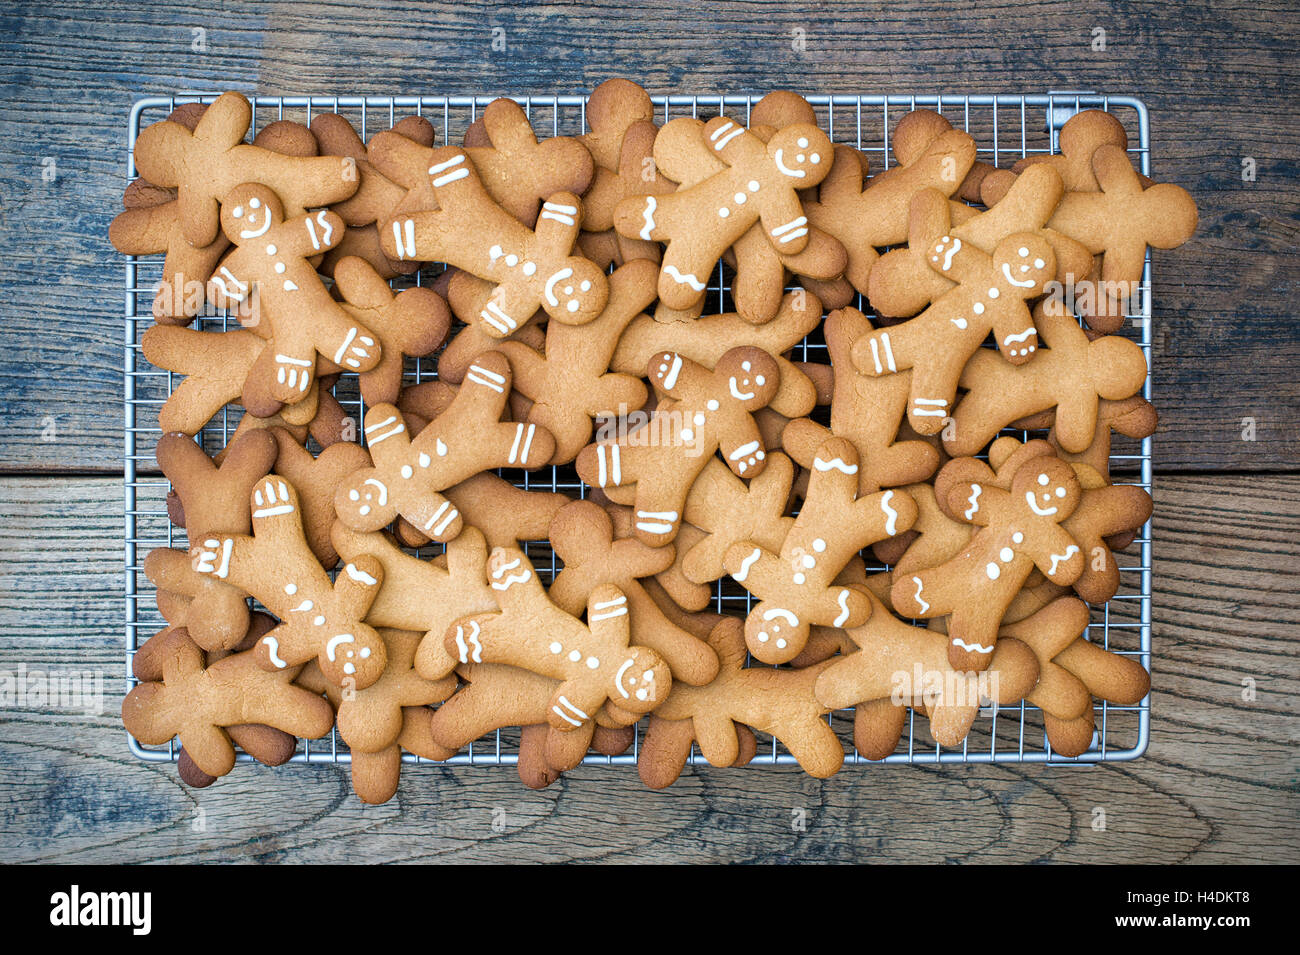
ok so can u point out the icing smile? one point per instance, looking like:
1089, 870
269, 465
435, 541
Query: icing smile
1033, 506
1006, 271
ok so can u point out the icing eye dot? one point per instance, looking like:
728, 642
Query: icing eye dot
290, 589
1030, 349
724, 212
819, 545
939, 247
1022, 251
1039, 263
699, 418
994, 293
365, 509
592, 663
781, 644
803, 142
237, 212
365, 652
1006, 554
556, 648
1043, 480
753, 185
270, 250
648, 675
573, 306
319, 621
575, 656
424, 460
1018, 538
759, 455
279, 267
760, 380
745, 365
254, 203
762, 636
353, 495
530, 268
979, 308
1060, 492
407, 470
815, 158
585, 286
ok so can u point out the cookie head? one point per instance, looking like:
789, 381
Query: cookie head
1025, 263
802, 153
576, 293
1048, 488
752, 376
354, 657
250, 211
362, 502
775, 634
641, 681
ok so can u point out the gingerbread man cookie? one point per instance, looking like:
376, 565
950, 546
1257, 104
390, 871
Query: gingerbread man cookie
1072, 374
796, 584
759, 184
1019, 529
704, 412
990, 297
776, 701
198, 702
582, 535
206, 163
301, 319
595, 662
318, 618
530, 269
410, 473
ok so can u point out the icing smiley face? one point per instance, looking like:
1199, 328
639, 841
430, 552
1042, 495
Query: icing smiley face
364, 503
576, 293
249, 212
641, 681
1048, 491
751, 377
354, 654
1024, 262
774, 634
802, 153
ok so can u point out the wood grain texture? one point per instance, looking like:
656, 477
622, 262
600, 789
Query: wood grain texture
1220, 81
1219, 783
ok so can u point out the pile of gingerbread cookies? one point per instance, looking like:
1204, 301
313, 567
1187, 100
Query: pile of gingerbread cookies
564, 296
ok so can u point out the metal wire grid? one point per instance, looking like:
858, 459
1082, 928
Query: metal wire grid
1006, 127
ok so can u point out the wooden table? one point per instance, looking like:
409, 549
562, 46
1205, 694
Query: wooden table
1219, 781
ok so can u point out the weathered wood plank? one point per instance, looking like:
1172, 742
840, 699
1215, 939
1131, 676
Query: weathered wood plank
1219, 783
1225, 339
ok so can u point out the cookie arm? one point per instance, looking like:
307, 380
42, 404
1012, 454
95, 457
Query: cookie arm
1059, 557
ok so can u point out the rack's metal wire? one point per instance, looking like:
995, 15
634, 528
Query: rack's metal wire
1006, 127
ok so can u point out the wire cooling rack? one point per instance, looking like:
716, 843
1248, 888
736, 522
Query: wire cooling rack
1005, 127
